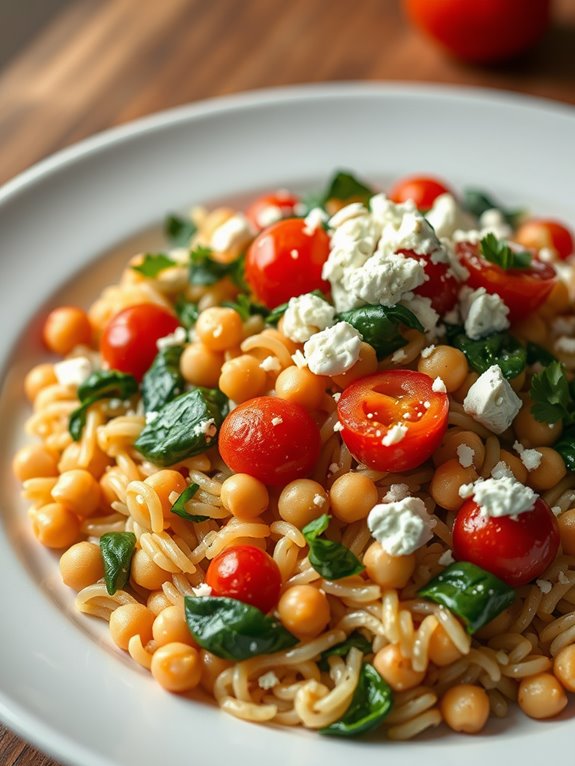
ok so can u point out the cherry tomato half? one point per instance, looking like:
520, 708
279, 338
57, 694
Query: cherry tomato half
523, 290
515, 550
398, 403
270, 208
272, 439
286, 260
129, 339
539, 233
441, 286
421, 189
248, 574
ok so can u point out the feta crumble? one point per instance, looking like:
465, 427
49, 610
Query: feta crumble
503, 496
334, 350
299, 359
268, 680
401, 527
446, 558
277, 421
483, 313
491, 401
176, 338
398, 356
424, 311
305, 316
314, 220
338, 426
202, 590
396, 492
438, 386
234, 234
465, 455
318, 500
270, 364
394, 435
531, 458
74, 371
268, 215
565, 345
544, 586
427, 352
563, 579
447, 216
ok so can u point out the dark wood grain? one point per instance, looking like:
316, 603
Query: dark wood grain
100, 63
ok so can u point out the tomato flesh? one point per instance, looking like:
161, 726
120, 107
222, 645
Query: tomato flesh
421, 189
370, 407
523, 290
286, 260
537, 234
517, 550
441, 285
269, 208
129, 340
247, 574
272, 439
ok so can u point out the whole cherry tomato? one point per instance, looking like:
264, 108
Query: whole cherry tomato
517, 550
523, 290
441, 285
286, 260
539, 233
484, 30
129, 340
246, 573
422, 190
393, 420
272, 207
272, 439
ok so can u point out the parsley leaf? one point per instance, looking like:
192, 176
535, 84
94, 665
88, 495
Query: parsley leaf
343, 186
246, 308
179, 231
204, 270
154, 263
478, 202
187, 312
551, 396
498, 251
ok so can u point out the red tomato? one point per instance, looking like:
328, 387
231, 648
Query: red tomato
248, 574
272, 439
540, 233
129, 339
422, 190
515, 550
441, 287
285, 260
484, 30
370, 407
523, 290
280, 204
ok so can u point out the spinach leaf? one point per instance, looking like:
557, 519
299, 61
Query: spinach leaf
184, 427
371, 702
380, 325
153, 264
204, 270
103, 384
187, 312
332, 560
276, 314
474, 595
117, 549
345, 186
478, 202
355, 639
536, 353
246, 308
498, 251
233, 630
551, 396
179, 231
498, 348
565, 446
163, 381
179, 507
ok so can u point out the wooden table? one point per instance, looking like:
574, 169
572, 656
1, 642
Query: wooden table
100, 63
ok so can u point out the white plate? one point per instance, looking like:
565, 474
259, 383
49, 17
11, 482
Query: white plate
62, 685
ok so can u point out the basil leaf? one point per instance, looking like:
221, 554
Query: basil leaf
276, 314
179, 507
103, 384
153, 264
536, 353
380, 326
183, 426
205, 271
163, 381
497, 251
474, 595
478, 202
498, 348
332, 560
187, 312
551, 396
246, 308
179, 231
370, 704
565, 446
345, 186
355, 639
233, 630
117, 549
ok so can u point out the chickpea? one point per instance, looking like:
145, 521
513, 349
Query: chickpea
81, 565
244, 496
170, 627
533, 329
388, 571
131, 620
352, 496
550, 471
145, 572
530, 432
564, 667
79, 491
201, 366
164, 483
212, 666
366, 365
460, 394
71, 456
242, 378
302, 501
157, 601
515, 465
300, 385
55, 526
442, 650
450, 364
566, 522
34, 461
448, 448
65, 328
38, 378
396, 669
465, 708
220, 328
304, 610
541, 696
177, 667
446, 482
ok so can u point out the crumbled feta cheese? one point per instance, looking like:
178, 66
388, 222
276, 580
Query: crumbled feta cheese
446, 558
338, 426
493, 221
385, 279
446, 216
268, 680
318, 500
565, 345
353, 210
333, 468
398, 356
423, 310
501, 471
396, 492
547, 255
74, 371
483, 313
334, 350
557, 510
202, 590
465, 455
531, 458
336, 397
401, 527
428, 351
466, 490
306, 315
394, 434
563, 579
268, 215
205, 428
563, 325
234, 233
151, 416
277, 421
299, 359
544, 586
504, 496
176, 338
491, 401
313, 220
438, 386
270, 364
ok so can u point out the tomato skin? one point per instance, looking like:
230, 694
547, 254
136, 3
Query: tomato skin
539, 233
423, 190
515, 550
441, 286
247, 574
388, 396
249, 442
283, 200
487, 30
129, 339
523, 290
273, 272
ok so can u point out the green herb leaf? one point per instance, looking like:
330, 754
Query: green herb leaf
233, 630
355, 640
370, 704
205, 271
332, 560
344, 186
498, 251
276, 314
179, 231
538, 354
117, 549
380, 326
163, 381
179, 507
498, 348
187, 312
181, 429
565, 446
153, 264
103, 384
474, 595
478, 202
246, 308
551, 396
